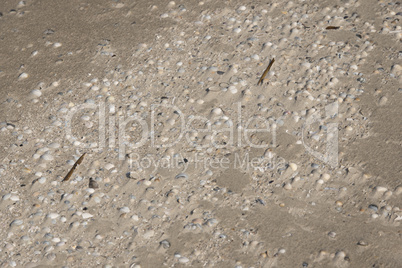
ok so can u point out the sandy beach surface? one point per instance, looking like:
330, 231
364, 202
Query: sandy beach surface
134, 134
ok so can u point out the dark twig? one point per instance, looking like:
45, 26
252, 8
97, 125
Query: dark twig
79, 161
265, 72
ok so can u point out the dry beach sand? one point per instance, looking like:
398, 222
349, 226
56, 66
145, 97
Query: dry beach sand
185, 160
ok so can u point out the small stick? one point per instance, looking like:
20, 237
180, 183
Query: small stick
265, 72
332, 28
79, 161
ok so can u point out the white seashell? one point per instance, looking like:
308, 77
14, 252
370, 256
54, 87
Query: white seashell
109, 166
383, 101
181, 175
233, 89
125, 209
237, 30
75, 224
396, 68
54, 145
86, 215
211, 222
76, 143
98, 236
247, 92
85, 118
90, 190
36, 93
14, 197
56, 123
47, 157
53, 216
293, 166
325, 176
380, 189
217, 111
349, 128
23, 76
149, 234
183, 260
398, 190
288, 186
16, 222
